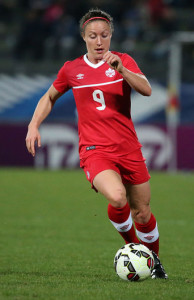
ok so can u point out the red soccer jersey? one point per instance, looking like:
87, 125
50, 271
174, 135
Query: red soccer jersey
103, 100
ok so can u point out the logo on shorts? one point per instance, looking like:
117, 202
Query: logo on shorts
88, 174
90, 148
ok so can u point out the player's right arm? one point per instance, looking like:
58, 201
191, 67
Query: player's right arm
42, 110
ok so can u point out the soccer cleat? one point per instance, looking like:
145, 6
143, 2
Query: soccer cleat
158, 270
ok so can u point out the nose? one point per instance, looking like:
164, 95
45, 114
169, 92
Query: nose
99, 42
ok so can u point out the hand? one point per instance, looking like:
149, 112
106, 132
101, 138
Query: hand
32, 137
113, 61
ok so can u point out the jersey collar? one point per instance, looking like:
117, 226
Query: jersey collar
95, 66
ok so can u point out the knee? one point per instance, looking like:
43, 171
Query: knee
118, 198
142, 214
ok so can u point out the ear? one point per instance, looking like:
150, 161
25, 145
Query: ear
83, 36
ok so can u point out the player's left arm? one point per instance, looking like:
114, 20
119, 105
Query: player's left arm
137, 81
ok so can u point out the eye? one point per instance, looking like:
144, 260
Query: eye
92, 36
105, 34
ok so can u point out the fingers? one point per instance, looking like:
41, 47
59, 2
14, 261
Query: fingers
30, 144
112, 60
32, 148
114, 64
39, 141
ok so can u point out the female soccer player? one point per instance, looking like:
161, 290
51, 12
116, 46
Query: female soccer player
110, 153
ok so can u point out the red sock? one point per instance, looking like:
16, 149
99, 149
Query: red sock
122, 221
148, 234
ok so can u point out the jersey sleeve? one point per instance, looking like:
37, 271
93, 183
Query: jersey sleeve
61, 82
130, 64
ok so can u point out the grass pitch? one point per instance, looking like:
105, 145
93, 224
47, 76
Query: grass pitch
57, 242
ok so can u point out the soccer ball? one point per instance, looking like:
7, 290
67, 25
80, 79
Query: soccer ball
133, 262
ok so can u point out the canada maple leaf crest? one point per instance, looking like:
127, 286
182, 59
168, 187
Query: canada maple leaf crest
110, 72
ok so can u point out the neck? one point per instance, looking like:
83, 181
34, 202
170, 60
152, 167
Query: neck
94, 60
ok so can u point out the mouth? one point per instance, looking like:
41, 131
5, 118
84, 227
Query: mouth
99, 50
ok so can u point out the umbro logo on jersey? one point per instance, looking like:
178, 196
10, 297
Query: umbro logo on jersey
80, 76
110, 72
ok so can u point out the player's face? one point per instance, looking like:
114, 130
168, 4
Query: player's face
97, 37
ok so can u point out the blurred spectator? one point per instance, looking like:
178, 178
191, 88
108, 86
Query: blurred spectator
6, 10
54, 12
163, 21
39, 29
63, 37
31, 39
162, 15
61, 28
106, 5
35, 4
134, 21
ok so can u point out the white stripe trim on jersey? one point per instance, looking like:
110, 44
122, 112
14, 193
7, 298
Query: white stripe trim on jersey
95, 66
148, 237
97, 84
125, 226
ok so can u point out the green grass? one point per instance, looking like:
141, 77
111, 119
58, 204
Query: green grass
56, 241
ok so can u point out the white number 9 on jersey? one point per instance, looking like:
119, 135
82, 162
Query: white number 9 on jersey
99, 97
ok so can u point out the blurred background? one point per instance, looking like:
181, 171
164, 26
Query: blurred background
38, 36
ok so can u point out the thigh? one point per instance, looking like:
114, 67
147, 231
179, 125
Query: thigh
133, 168
138, 197
109, 183
95, 164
